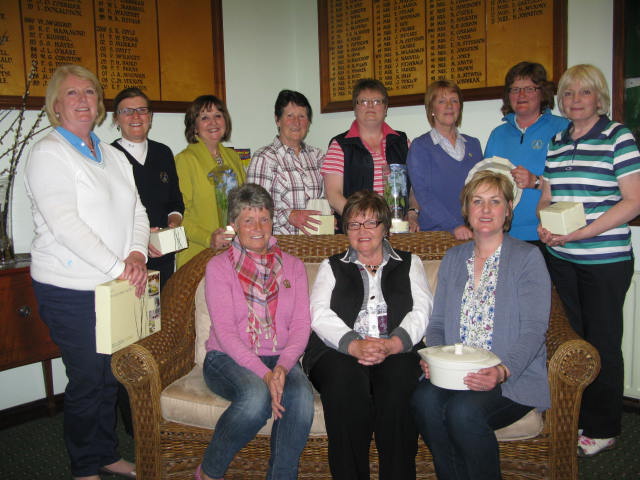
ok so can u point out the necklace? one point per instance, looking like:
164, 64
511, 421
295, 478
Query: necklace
218, 159
373, 268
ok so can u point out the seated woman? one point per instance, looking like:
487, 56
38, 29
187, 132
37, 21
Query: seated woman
439, 162
369, 309
258, 301
289, 169
493, 293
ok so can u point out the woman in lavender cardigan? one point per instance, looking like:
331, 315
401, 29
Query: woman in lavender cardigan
258, 301
493, 293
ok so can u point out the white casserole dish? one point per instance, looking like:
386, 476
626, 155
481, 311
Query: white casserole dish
449, 364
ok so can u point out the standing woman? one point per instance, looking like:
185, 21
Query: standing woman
439, 162
523, 139
153, 169
207, 171
289, 169
594, 162
90, 228
359, 158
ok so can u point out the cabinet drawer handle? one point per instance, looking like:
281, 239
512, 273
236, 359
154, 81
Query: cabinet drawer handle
24, 311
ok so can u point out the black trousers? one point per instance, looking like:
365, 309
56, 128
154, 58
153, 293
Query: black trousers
359, 401
593, 297
90, 396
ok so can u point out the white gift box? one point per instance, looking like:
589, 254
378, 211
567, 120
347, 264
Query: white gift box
562, 218
168, 240
121, 317
326, 219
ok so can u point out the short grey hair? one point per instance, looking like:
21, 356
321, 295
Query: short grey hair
249, 195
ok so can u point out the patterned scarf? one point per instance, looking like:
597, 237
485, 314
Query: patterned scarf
259, 276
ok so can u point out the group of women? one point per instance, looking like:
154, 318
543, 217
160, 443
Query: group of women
370, 306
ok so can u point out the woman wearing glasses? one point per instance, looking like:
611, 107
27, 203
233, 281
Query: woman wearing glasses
358, 158
523, 139
154, 171
369, 309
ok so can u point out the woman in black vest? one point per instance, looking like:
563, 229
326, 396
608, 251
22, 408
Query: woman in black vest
359, 158
369, 308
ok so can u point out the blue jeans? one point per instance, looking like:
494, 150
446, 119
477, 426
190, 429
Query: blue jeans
250, 409
458, 427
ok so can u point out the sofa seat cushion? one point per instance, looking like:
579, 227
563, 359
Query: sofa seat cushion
188, 400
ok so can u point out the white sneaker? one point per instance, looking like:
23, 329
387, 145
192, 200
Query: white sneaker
588, 447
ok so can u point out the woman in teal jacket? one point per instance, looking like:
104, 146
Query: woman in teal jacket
523, 139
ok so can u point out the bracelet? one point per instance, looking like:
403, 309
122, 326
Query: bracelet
417, 211
504, 372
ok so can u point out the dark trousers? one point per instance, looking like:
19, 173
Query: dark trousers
359, 401
458, 427
593, 297
90, 396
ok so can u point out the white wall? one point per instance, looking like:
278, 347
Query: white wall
274, 45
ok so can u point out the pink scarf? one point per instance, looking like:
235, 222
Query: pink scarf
258, 275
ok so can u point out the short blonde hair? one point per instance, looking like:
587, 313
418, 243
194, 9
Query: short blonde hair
53, 87
590, 77
493, 179
433, 90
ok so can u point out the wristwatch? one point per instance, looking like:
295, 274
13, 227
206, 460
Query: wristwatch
537, 184
414, 210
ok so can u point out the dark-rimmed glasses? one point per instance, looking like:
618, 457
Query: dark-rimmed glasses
130, 111
368, 224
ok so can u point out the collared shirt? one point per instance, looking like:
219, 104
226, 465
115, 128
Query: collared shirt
334, 159
82, 147
587, 170
291, 179
331, 328
372, 318
454, 151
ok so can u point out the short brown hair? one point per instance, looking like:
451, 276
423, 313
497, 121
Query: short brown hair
131, 92
364, 201
488, 178
431, 93
205, 102
538, 75
369, 84
53, 87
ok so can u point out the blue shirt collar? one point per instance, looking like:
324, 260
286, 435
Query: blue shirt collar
79, 144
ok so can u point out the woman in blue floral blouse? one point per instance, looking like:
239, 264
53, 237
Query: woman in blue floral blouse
493, 293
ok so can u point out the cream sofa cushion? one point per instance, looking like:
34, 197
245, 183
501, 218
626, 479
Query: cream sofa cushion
188, 400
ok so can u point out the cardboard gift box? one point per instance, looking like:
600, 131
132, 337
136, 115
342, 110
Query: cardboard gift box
326, 219
168, 240
121, 317
562, 218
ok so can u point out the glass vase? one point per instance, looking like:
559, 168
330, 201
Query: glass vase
7, 255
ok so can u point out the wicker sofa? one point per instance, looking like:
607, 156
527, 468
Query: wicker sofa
171, 450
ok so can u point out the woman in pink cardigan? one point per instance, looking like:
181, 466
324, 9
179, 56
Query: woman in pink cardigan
258, 301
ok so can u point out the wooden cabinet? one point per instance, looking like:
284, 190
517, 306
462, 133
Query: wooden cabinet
24, 338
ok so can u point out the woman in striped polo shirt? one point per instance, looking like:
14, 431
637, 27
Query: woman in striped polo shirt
595, 162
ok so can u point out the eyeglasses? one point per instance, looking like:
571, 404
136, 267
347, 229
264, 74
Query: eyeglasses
130, 111
370, 102
527, 90
368, 224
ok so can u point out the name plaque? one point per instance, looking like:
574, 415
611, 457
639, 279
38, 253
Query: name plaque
407, 44
173, 51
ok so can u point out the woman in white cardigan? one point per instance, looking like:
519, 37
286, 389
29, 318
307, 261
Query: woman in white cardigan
90, 228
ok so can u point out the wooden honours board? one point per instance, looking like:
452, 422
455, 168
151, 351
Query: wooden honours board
172, 50
407, 44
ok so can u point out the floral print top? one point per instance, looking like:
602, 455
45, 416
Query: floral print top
478, 304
